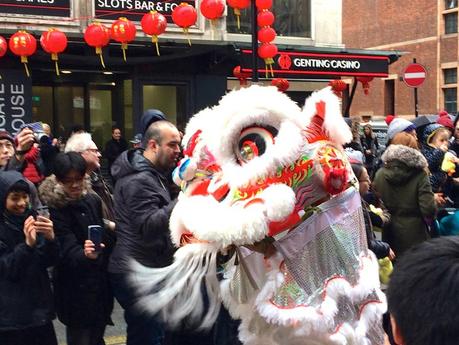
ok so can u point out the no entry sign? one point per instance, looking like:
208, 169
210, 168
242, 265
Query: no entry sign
414, 75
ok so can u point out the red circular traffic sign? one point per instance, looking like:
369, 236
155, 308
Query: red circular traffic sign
414, 75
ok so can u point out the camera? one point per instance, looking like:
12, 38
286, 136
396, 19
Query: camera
37, 128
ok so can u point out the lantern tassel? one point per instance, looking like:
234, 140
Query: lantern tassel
154, 39
24, 61
237, 13
185, 30
56, 65
99, 52
124, 47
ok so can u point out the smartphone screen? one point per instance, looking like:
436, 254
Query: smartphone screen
95, 235
43, 211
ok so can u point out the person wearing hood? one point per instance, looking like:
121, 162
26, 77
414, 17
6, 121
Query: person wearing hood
27, 248
143, 206
403, 185
84, 298
435, 143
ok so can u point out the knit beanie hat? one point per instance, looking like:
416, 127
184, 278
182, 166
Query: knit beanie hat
445, 120
150, 116
6, 135
398, 125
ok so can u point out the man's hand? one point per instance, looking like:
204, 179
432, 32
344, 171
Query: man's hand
45, 226
30, 232
25, 139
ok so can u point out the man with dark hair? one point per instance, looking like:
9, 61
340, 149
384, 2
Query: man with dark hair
143, 205
422, 294
114, 147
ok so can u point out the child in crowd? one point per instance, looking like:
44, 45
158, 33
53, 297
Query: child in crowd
27, 249
435, 143
371, 216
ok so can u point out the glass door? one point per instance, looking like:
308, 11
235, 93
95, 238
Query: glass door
170, 99
100, 115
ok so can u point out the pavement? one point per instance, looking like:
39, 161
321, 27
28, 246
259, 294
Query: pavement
114, 335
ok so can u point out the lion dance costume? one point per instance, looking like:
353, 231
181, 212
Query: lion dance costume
268, 184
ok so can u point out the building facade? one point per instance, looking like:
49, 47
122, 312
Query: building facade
424, 31
180, 81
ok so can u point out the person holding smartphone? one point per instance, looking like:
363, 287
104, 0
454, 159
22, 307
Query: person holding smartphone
84, 299
27, 248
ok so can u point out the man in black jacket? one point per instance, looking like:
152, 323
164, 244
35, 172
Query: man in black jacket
114, 147
142, 209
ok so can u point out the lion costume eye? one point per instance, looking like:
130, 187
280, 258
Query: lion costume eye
254, 142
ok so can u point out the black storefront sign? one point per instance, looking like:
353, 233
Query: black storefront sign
55, 8
312, 64
15, 100
135, 9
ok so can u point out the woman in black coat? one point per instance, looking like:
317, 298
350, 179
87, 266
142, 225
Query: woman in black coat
84, 299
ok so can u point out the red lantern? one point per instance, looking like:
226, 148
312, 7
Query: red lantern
184, 15
3, 46
23, 44
281, 84
264, 4
154, 24
53, 42
266, 35
365, 84
123, 31
212, 9
97, 35
265, 18
237, 6
267, 51
242, 76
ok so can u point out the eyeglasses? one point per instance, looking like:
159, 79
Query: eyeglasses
367, 180
96, 151
71, 182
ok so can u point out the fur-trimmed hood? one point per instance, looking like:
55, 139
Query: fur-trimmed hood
52, 193
402, 162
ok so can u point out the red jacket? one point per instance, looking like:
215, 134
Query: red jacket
31, 170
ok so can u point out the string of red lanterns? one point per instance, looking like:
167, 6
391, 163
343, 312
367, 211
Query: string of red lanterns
153, 23
266, 34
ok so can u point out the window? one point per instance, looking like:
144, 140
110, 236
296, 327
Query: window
450, 23
450, 4
450, 95
450, 76
293, 18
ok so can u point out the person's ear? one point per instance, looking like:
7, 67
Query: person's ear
152, 144
396, 332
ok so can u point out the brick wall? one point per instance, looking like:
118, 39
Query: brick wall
408, 27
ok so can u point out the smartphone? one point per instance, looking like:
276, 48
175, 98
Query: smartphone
95, 235
43, 211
